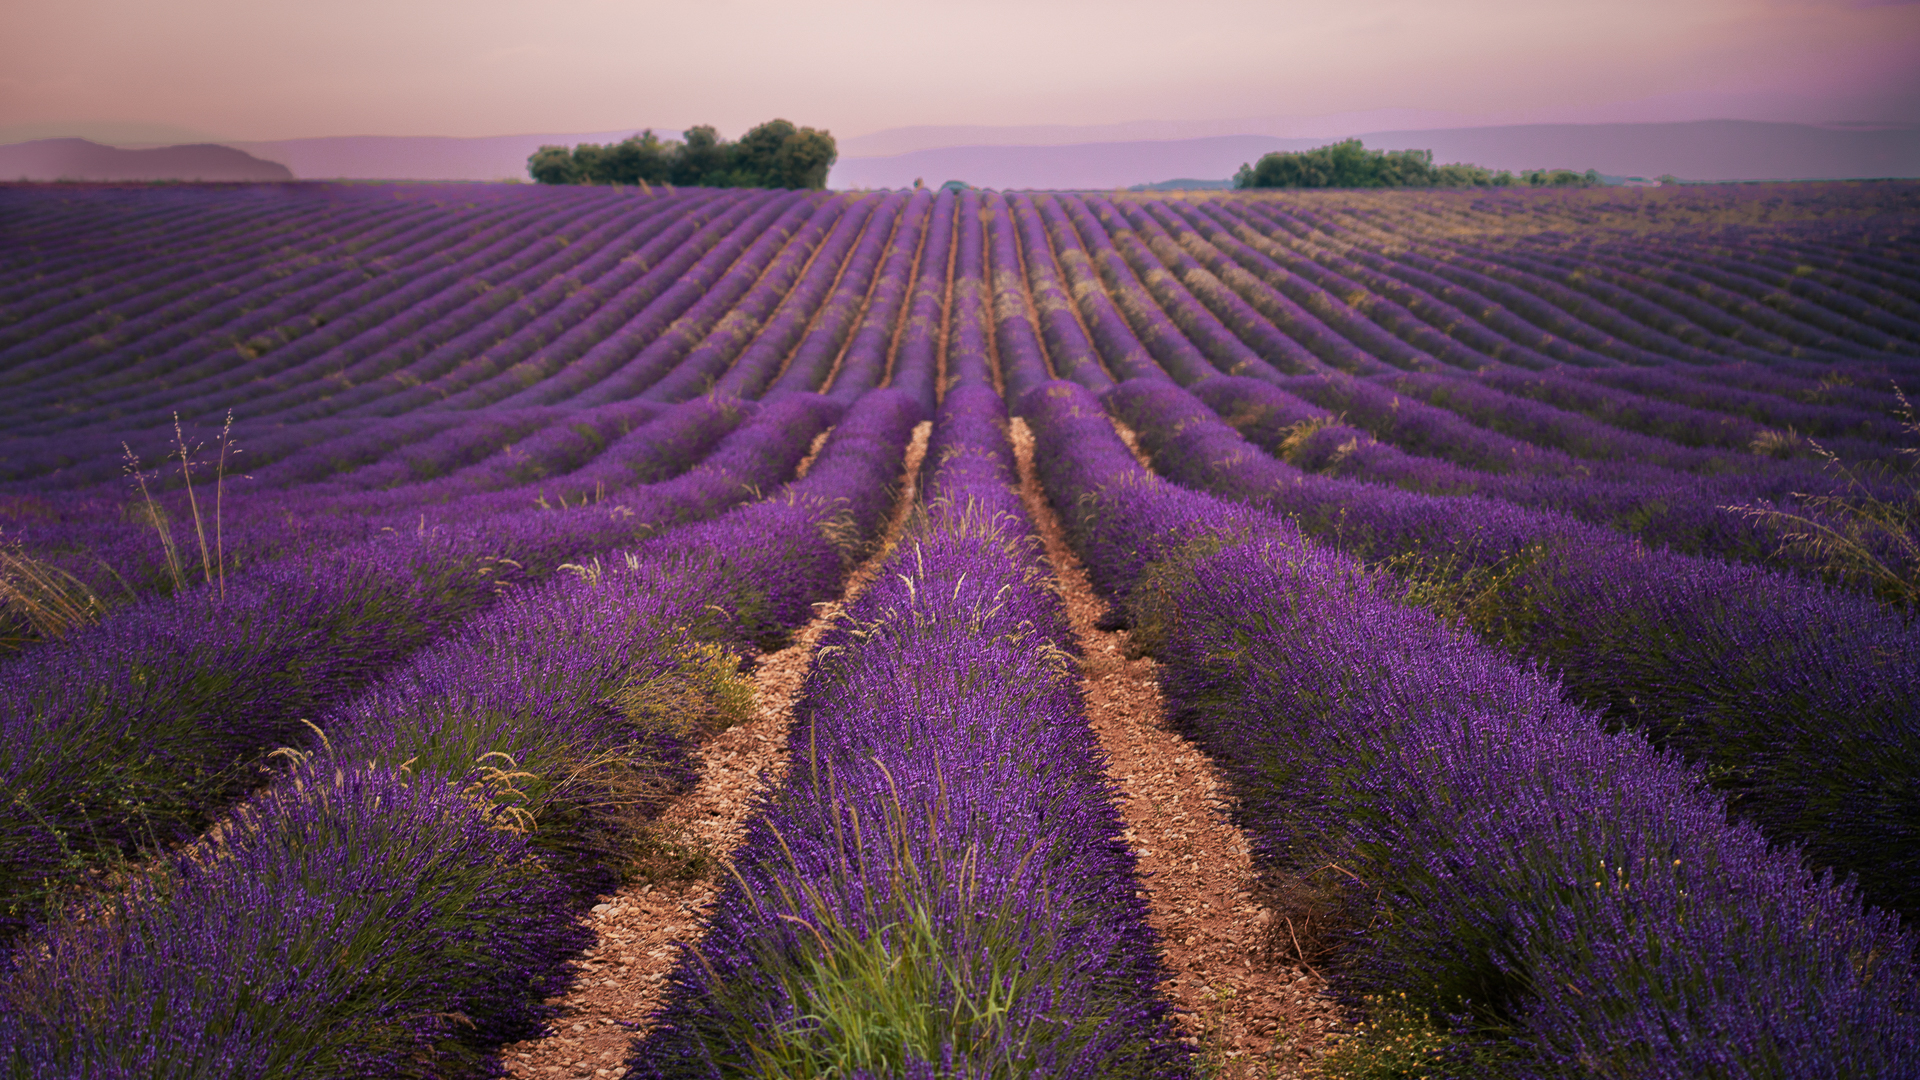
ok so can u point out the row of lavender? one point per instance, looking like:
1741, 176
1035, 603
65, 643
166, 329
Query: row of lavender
141, 729
1514, 863
392, 901
939, 888
1011, 311
564, 303
848, 336
332, 583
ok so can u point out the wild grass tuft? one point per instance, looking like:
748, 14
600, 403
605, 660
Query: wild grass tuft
700, 695
1493, 600
41, 601
916, 960
1398, 1041
1860, 538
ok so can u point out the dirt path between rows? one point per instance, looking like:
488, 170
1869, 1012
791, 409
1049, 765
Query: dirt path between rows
1250, 1013
623, 976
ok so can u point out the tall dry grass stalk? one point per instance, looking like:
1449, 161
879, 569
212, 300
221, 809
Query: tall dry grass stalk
213, 562
1857, 535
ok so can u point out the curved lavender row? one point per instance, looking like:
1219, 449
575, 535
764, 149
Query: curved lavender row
1681, 509
693, 372
1660, 306
1431, 431
92, 237
340, 933
1836, 272
1122, 352
1745, 475
1290, 337
116, 247
1280, 268
1749, 670
800, 345
1248, 273
45, 463
1616, 330
1023, 360
652, 297
1705, 302
1862, 313
1465, 303
122, 560
1176, 357
1427, 345
864, 361
1067, 341
481, 946
220, 289
1149, 296
593, 456
289, 286
969, 341
1402, 302
1820, 315
1545, 425
40, 329
135, 729
922, 336
534, 308
123, 316
1212, 315
1683, 424
388, 321
233, 353
947, 799
639, 355
1618, 311
1684, 512
1238, 299
1568, 886
1856, 388
1329, 324
607, 323
773, 315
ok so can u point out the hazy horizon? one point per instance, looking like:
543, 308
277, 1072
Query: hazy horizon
887, 77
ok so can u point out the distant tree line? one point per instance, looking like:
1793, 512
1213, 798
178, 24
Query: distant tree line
774, 155
1350, 165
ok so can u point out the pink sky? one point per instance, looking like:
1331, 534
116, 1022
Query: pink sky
276, 69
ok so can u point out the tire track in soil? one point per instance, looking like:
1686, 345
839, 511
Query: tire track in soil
622, 977
1251, 1013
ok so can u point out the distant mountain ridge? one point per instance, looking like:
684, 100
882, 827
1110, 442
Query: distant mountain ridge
1696, 150
418, 157
79, 159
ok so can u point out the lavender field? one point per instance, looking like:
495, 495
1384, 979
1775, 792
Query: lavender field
392, 570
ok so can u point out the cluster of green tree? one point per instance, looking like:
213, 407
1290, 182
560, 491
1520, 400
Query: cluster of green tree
1350, 165
774, 155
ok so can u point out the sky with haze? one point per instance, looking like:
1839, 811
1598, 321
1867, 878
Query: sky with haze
177, 70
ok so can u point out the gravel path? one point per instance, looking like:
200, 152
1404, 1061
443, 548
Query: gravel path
1252, 1014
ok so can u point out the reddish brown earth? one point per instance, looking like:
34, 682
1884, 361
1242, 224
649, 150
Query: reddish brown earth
1251, 1013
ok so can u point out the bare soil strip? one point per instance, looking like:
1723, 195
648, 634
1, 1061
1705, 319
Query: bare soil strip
1251, 1013
623, 976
